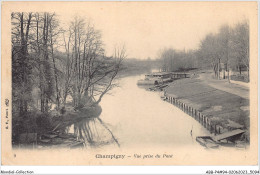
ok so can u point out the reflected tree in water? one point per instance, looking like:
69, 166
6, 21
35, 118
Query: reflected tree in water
94, 132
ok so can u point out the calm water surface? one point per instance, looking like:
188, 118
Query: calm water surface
137, 118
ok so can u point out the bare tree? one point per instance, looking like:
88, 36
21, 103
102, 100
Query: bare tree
21, 69
89, 73
240, 46
109, 69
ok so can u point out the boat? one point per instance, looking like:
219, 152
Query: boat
229, 136
147, 82
155, 78
158, 87
207, 142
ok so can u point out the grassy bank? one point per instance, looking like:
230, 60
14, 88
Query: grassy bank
227, 110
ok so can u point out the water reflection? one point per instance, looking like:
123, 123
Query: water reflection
93, 132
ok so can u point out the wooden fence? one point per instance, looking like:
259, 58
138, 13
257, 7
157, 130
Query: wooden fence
196, 114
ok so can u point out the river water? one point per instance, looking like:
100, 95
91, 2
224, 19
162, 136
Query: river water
139, 118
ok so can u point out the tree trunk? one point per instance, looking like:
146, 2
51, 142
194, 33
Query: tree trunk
248, 74
228, 76
55, 71
218, 68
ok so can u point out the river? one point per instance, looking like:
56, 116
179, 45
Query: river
139, 118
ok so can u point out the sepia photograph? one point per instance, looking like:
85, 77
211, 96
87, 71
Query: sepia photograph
129, 83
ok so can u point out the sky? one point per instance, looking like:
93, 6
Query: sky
147, 27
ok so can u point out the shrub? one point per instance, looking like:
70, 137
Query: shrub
63, 110
43, 122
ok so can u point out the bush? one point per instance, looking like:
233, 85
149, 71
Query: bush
80, 106
25, 123
63, 110
243, 78
43, 122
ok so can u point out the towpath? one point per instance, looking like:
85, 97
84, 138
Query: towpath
224, 85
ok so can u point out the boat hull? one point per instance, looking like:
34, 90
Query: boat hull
207, 142
147, 82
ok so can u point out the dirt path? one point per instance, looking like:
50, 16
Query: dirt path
224, 85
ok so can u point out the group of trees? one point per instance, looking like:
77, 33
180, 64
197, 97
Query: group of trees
228, 47
50, 63
177, 60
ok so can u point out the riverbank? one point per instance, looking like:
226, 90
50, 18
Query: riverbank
50, 130
218, 101
72, 116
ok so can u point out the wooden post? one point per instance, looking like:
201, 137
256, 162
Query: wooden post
215, 129
206, 122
